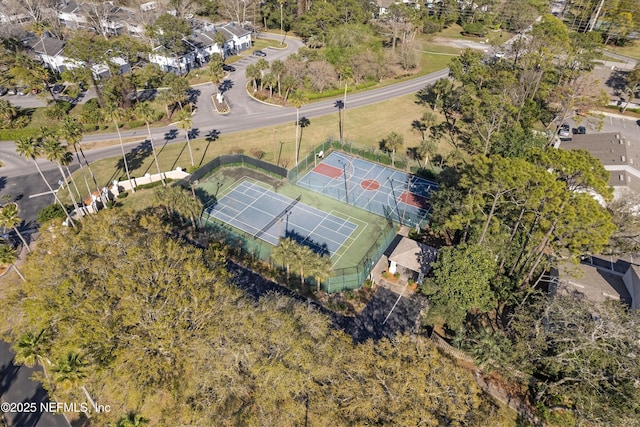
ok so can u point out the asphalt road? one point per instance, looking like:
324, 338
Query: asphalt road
24, 395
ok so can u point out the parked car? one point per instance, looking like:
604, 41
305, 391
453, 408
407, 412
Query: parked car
565, 130
229, 68
3, 90
580, 130
259, 53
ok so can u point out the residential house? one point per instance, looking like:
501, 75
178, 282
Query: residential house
71, 15
204, 45
201, 46
619, 155
47, 50
170, 62
238, 38
600, 279
384, 5
102, 17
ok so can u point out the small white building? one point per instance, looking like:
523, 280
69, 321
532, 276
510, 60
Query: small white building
411, 259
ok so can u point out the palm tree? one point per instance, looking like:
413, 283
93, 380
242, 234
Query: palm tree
392, 142
146, 113
132, 419
31, 349
302, 257
7, 111
167, 99
56, 152
215, 68
69, 371
297, 98
426, 150
262, 65
9, 219
220, 40
270, 81
282, 254
115, 113
253, 73
8, 256
303, 123
278, 69
185, 122
71, 131
29, 148
631, 93
321, 268
339, 104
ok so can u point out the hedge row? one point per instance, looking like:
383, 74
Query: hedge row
13, 134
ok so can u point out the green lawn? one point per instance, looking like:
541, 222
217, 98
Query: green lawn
632, 49
364, 126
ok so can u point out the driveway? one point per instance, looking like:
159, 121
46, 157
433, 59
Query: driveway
18, 390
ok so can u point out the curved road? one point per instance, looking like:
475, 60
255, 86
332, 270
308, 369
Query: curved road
18, 176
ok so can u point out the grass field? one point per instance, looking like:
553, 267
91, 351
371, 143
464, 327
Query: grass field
370, 226
365, 126
631, 50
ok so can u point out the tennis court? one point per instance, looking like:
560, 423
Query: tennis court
268, 216
381, 190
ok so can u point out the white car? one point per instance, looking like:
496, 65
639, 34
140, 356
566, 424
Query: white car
564, 131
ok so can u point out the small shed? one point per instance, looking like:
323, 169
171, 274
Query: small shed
411, 259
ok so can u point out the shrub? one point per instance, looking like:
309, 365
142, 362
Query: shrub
475, 29
58, 111
123, 195
430, 27
135, 124
385, 274
50, 212
396, 275
258, 154
147, 186
13, 134
91, 112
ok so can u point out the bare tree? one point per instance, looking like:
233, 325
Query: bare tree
322, 75
100, 16
238, 10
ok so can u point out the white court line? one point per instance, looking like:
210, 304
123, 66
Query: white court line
345, 246
279, 198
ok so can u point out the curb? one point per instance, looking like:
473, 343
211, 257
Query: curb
260, 101
616, 115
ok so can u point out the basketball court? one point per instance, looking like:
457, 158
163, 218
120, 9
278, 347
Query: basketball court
381, 190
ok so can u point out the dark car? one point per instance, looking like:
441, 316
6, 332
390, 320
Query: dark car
580, 130
3, 90
228, 68
259, 53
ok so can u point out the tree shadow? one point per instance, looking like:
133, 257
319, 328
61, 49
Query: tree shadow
193, 133
225, 86
209, 137
136, 157
168, 136
175, 162
193, 95
317, 247
8, 374
617, 81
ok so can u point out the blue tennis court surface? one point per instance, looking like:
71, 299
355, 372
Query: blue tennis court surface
269, 216
384, 191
